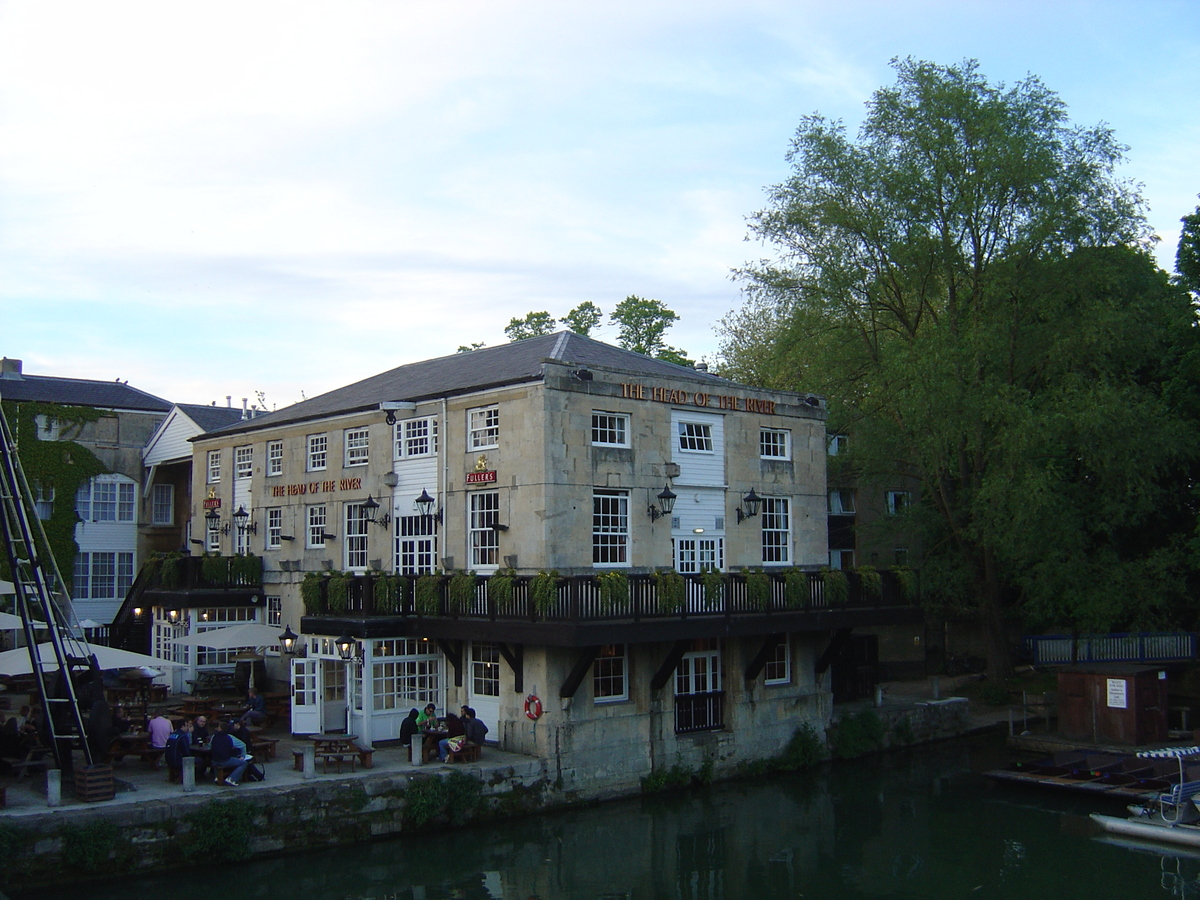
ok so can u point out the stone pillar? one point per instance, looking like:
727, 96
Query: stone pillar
54, 787
189, 774
416, 749
310, 762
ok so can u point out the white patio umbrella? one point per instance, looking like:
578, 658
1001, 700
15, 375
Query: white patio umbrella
16, 662
8, 622
248, 634
7, 587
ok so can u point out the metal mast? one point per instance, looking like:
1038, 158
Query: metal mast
35, 574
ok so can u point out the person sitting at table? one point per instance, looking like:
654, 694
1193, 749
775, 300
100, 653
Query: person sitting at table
160, 729
179, 747
454, 730
228, 754
408, 727
120, 721
474, 729
200, 733
256, 709
241, 731
427, 720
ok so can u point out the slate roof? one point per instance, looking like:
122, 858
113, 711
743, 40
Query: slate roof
80, 392
210, 418
461, 373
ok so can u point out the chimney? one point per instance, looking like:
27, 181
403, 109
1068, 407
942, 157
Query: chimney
701, 366
245, 414
10, 368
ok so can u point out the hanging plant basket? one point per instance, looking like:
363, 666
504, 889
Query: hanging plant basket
388, 593
795, 588
714, 588
758, 589
429, 594
837, 586
543, 590
310, 593
672, 591
215, 570
500, 588
614, 590
339, 592
171, 573
872, 582
461, 592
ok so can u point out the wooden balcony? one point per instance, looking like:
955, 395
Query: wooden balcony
590, 610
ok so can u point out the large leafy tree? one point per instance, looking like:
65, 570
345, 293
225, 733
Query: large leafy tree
642, 325
1187, 254
968, 282
583, 318
535, 324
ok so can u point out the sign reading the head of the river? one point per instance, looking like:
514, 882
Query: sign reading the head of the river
1117, 698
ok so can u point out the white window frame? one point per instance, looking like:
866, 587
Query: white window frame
415, 438
212, 535
43, 500
774, 443
243, 461
841, 559
416, 545
778, 667
47, 427
776, 516
355, 537
695, 437
275, 612
610, 429
316, 519
317, 455
483, 427
274, 528
610, 528
610, 674
213, 464
274, 458
695, 554
897, 502
101, 575
357, 446
483, 511
838, 443
406, 672
841, 502
162, 504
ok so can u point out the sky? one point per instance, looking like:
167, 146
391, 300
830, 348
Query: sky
245, 198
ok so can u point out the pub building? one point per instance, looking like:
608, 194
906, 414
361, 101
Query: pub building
620, 555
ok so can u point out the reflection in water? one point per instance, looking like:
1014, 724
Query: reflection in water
921, 824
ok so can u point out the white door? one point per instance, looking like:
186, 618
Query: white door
483, 690
333, 695
306, 688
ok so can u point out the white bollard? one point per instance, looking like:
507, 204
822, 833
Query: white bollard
416, 750
189, 774
54, 787
937, 688
310, 762
878, 696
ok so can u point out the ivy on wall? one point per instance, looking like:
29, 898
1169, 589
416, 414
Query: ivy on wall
62, 465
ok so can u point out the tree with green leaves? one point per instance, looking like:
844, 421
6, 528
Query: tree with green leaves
970, 285
642, 325
535, 324
583, 318
1187, 254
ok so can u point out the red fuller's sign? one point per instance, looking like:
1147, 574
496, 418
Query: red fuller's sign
212, 502
486, 477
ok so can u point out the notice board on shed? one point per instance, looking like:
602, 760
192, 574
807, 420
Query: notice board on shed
1117, 704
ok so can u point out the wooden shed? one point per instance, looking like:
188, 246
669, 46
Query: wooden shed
1120, 704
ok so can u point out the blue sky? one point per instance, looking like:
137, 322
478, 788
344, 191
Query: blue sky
223, 198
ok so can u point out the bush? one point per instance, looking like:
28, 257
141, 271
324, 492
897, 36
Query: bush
172, 572
310, 593
837, 586
902, 732
858, 734
457, 794
672, 590
247, 569
88, 847
677, 776
804, 749
993, 693
215, 570
907, 579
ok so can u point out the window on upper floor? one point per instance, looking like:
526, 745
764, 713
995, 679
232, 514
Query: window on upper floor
243, 462
43, 500
102, 576
416, 545
162, 504
214, 466
838, 443
318, 452
358, 449
106, 501
695, 437
841, 502
776, 530
356, 536
483, 427
778, 668
316, 526
897, 502
47, 427
416, 438
274, 458
610, 528
274, 528
610, 429
485, 540
774, 443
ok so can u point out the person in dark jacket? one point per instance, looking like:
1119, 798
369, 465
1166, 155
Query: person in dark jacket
475, 730
408, 727
256, 708
179, 747
224, 755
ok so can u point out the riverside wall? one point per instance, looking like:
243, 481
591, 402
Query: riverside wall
82, 843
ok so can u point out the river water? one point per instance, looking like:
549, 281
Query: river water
920, 824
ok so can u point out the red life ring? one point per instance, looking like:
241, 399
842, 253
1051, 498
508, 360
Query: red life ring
533, 707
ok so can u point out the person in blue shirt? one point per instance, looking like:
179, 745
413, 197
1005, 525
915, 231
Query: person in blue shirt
256, 708
228, 751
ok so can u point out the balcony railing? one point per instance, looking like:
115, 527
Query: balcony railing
1138, 647
589, 598
183, 573
699, 712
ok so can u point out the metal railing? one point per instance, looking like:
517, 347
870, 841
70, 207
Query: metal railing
1138, 647
699, 712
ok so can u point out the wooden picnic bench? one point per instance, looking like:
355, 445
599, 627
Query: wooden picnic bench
468, 752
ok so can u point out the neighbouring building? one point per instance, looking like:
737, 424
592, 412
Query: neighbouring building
614, 559
91, 499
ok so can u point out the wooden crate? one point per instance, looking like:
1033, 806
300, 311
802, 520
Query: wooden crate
94, 783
